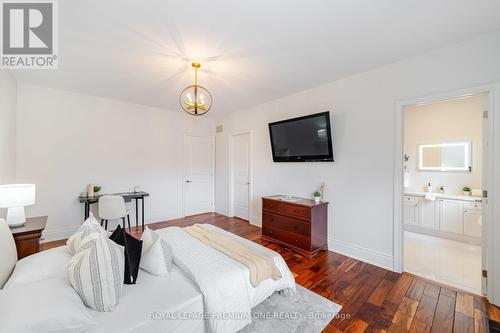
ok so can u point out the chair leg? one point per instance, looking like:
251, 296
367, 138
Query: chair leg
128, 220
102, 222
106, 225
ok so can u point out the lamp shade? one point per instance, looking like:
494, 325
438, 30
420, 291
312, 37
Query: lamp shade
17, 195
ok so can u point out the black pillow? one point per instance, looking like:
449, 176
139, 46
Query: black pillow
133, 250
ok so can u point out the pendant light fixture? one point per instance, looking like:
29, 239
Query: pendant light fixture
195, 99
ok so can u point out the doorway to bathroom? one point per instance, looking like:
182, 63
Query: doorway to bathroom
445, 171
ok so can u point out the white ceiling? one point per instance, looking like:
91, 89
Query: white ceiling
251, 51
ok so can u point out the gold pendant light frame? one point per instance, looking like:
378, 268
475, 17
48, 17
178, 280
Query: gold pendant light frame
198, 107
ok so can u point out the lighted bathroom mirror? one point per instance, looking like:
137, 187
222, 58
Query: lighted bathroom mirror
453, 156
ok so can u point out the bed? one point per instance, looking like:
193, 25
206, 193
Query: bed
203, 285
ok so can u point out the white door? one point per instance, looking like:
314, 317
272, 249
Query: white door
429, 214
241, 175
199, 174
410, 210
451, 216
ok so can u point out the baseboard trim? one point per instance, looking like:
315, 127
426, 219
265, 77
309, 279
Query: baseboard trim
256, 221
57, 234
360, 253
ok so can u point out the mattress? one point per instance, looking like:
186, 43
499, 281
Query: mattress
155, 304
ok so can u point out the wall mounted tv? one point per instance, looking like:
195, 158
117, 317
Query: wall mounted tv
303, 139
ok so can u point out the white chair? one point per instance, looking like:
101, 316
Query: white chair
8, 253
112, 207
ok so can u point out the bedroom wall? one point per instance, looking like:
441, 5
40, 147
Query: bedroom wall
430, 123
359, 184
8, 106
67, 140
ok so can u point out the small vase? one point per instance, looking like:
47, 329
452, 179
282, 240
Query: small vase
467, 193
317, 199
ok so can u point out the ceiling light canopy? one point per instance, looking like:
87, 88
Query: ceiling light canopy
195, 99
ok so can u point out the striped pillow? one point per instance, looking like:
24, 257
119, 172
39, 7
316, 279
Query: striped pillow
90, 227
96, 273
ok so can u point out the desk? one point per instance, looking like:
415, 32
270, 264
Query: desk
128, 196
28, 236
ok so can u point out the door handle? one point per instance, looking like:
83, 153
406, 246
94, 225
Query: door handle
248, 183
188, 181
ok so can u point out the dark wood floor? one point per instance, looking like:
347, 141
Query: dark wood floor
373, 299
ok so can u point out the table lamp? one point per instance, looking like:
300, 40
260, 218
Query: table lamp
15, 197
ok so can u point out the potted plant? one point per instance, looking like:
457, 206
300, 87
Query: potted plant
96, 189
466, 191
317, 196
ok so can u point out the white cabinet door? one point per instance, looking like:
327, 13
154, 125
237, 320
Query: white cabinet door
451, 216
472, 222
411, 211
429, 213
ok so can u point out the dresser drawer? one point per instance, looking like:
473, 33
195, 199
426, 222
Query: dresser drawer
284, 223
272, 205
287, 238
298, 211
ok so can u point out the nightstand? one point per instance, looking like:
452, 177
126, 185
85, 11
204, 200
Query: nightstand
28, 236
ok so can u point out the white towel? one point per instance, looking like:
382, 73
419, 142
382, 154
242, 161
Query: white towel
430, 196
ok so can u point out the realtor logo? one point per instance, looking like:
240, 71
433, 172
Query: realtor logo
28, 34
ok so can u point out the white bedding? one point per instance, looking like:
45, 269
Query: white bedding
171, 295
162, 298
224, 282
202, 281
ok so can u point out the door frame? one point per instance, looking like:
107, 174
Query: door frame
231, 169
184, 164
487, 228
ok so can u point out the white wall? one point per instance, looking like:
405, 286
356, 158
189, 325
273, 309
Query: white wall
447, 121
359, 184
8, 106
67, 140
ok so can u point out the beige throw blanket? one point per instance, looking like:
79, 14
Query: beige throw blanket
261, 266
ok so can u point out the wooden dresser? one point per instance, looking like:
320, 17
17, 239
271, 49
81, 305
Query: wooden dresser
299, 225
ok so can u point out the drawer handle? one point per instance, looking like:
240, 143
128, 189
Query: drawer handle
296, 240
270, 232
295, 210
295, 227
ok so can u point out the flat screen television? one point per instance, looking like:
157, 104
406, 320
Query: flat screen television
303, 139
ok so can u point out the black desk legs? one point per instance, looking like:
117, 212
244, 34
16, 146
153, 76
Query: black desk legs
136, 213
87, 210
142, 211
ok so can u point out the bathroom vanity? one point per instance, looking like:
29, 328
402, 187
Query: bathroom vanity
454, 217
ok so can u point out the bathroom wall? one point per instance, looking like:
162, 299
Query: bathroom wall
447, 121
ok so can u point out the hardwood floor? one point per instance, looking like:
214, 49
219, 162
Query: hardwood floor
373, 299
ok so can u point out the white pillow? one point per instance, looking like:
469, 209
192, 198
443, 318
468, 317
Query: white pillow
96, 273
90, 227
49, 305
42, 265
156, 256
